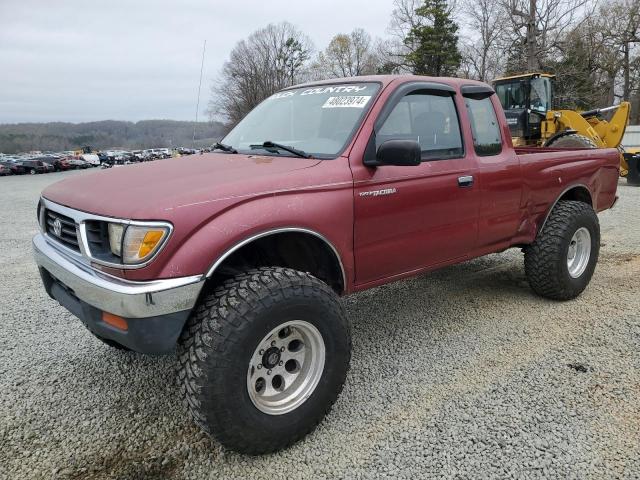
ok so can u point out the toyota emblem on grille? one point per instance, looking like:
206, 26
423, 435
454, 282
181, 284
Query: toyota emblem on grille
57, 227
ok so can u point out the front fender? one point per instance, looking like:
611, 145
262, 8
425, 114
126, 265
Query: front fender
328, 213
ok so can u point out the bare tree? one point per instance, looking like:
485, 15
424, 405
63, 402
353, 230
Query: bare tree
387, 58
268, 60
539, 26
483, 50
404, 18
349, 55
622, 23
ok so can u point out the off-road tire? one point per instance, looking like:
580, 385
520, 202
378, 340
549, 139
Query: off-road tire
220, 337
545, 260
573, 140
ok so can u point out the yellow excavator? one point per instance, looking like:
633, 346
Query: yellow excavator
527, 101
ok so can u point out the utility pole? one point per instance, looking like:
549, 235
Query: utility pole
193, 141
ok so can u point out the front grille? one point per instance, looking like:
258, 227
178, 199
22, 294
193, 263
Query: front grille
98, 237
68, 234
98, 241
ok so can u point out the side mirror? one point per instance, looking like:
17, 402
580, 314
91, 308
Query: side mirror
399, 152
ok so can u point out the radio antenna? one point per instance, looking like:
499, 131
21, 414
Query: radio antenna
193, 141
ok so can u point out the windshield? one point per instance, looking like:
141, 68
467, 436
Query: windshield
513, 95
540, 94
317, 120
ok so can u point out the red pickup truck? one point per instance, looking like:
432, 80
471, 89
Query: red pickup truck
238, 257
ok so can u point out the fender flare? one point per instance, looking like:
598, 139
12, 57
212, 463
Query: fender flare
220, 260
553, 205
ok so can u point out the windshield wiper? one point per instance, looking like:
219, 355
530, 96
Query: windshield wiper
269, 145
224, 147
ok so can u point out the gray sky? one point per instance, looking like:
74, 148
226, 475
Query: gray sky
84, 60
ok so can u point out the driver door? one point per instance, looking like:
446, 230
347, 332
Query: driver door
411, 217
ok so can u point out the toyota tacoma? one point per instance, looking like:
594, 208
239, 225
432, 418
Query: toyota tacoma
237, 258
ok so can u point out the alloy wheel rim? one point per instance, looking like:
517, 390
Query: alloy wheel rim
285, 367
579, 252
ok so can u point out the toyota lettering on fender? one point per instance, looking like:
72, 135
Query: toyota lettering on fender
238, 257
377, 193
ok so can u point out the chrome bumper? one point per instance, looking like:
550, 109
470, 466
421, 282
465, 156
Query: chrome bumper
115, 295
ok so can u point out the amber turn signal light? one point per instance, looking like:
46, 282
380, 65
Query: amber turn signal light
115, 321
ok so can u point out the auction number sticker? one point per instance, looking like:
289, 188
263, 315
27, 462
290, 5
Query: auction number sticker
347, 101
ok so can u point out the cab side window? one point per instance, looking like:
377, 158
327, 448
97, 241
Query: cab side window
430, 119
484, 126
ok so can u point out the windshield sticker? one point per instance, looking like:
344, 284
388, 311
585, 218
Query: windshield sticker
335, 89
353, 101
285, 94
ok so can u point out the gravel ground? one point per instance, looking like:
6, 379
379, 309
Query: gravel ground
461, 373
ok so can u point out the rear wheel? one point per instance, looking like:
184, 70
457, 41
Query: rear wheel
561, 261
32, 171
263, 358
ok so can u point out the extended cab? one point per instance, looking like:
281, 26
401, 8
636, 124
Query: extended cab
238, 257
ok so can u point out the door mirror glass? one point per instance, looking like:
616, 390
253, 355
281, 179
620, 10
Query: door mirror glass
399, 152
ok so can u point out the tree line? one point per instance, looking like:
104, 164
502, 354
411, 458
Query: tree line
592, 48
61, 136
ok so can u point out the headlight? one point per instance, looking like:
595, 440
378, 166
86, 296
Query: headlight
116, 231
135, 243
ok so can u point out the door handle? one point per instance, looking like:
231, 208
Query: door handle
465, 181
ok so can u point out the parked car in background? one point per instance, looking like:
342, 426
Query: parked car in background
35, 166
59, 164
187, 151
91, 158
49, 166
16, 167
162, 152
118, 157
4, 170
139, 156
77, 163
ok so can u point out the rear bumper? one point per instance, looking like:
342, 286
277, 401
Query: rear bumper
155, 311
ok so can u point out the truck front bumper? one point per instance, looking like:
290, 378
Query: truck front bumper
154, 312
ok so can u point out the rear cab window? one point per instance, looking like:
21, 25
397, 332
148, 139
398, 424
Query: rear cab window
485, 129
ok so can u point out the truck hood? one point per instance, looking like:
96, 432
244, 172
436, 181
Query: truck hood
157, 190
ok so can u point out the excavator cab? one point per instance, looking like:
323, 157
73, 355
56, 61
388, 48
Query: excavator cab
525, 99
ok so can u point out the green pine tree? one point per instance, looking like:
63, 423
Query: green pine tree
434, 44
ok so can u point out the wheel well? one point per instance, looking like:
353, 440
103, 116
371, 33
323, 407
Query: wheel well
580, 194
301, 251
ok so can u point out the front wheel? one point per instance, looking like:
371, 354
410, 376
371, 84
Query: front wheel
561, 261
263, 358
